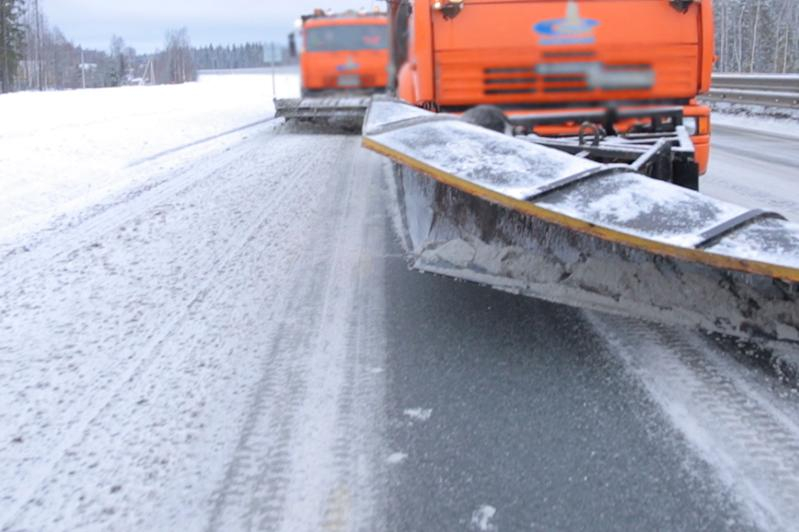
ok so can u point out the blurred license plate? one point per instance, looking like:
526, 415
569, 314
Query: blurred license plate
349, 81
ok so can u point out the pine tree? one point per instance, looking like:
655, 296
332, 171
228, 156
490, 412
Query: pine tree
12, 41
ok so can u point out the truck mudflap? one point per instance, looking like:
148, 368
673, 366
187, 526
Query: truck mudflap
489, 208
323, 109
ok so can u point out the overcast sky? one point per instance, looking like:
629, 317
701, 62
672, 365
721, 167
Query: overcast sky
142, 23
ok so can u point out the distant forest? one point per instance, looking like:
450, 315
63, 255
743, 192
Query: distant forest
37, 56
250, 55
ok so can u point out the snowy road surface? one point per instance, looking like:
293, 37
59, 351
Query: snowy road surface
200, 358
755, 169
231, 340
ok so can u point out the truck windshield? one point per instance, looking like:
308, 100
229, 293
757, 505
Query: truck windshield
346, 38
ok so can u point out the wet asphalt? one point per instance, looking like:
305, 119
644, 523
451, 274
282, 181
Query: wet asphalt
531, 419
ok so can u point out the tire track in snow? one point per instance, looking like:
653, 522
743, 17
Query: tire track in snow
253, 484
234, 322
739, 426
83, 413
301, 462
359, 496
207, 262
205, 140
96, 404
329, 503
85, 227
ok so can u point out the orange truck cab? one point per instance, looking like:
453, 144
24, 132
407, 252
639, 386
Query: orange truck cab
550, 65
345, 52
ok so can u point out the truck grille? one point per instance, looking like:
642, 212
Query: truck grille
464, 78
511, 80
526, 80
568, 77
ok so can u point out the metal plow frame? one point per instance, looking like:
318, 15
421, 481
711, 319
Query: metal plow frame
321, 109
457, 226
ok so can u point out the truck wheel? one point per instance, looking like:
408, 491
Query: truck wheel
487, 116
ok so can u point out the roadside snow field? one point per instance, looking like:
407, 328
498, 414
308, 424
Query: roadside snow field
63, 151
757, 118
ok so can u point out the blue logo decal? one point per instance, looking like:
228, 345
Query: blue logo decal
563, 27
349, 65
573, 29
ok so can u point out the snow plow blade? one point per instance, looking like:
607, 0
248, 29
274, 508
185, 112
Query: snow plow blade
344, 109
505, 212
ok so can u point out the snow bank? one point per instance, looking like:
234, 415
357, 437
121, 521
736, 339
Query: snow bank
62, 151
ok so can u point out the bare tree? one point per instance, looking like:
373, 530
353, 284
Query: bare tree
119, 68
37, 26
757, 35
12, 41
175, 64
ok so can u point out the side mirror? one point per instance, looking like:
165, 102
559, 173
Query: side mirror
449, 8
681, 5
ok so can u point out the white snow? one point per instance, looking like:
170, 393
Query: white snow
491, 160
481, 519
418, 414
645, 207
749, 243
396, 458
62, 151
382, 113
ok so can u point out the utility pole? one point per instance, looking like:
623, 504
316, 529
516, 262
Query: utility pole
38, 47
3, 55
83, 67
149, 71
274, 84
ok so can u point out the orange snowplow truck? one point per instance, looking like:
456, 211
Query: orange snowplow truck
554, 67
344, 52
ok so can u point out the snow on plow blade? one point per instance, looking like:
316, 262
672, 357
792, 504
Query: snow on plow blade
349, 109
505, 212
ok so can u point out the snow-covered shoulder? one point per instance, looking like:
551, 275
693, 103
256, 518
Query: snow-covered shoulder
63, 151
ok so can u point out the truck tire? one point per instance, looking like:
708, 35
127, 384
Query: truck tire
487, 116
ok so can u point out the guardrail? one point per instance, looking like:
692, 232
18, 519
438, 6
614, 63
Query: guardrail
774, 90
